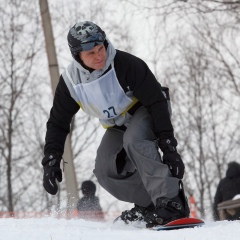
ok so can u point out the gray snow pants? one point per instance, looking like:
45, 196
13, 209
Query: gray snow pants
128, 164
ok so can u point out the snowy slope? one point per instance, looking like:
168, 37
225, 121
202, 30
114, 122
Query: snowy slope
62, 229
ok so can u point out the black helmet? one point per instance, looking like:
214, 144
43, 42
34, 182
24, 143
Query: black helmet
233, 170
84, 36
88, 188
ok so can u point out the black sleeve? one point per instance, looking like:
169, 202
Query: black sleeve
58, 125
97, 204
148, 91
217, 199
80, 205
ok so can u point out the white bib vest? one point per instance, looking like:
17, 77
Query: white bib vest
104, 98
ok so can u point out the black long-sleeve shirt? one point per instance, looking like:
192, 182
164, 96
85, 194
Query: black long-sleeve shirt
133, 74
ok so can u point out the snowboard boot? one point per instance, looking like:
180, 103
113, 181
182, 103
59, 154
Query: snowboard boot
167, 210
137, 213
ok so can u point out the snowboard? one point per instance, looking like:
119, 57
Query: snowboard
179, 224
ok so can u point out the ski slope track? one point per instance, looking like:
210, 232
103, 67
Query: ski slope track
76, 229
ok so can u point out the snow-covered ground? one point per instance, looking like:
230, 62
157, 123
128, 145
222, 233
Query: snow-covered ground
50, 228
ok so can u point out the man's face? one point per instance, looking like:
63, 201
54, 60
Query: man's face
94, 58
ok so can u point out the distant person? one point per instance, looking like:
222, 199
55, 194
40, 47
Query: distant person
89, 207
227, 189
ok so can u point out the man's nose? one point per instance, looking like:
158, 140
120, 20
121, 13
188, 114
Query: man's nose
98, 55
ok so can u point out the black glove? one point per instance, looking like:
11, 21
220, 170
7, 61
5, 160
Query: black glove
52, 172
171, 157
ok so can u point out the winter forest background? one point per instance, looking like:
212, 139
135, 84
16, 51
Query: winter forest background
193, 47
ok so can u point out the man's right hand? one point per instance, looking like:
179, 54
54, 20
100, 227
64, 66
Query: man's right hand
52, 172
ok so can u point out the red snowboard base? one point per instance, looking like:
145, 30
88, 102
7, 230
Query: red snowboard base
180, 223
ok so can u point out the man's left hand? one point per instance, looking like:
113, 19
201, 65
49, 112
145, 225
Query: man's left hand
175, 163
171, 157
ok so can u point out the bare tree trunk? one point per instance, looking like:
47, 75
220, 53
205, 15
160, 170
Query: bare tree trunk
9, 182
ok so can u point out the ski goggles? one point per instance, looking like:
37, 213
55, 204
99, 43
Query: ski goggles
92, 41
90, 45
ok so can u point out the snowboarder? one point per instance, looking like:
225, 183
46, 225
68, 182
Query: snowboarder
121, 91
